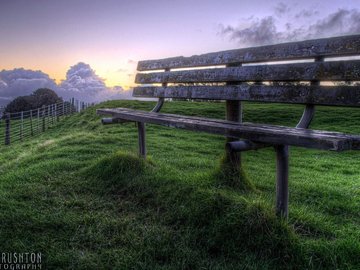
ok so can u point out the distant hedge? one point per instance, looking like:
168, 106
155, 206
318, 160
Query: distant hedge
37, 99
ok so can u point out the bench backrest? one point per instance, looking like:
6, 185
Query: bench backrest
274, 73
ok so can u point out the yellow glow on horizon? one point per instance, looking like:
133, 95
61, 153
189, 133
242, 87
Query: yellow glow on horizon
112, 77
110, 80
116, 70
117, 78
119, 73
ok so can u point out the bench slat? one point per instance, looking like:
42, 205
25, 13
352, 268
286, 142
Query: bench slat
337, 46
301, 94
255, 132
325, 71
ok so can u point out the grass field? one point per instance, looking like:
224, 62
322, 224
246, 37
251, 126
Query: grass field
79, 195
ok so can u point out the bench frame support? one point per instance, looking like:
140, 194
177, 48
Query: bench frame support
282, 180
282, 160
233, 113
142, 139
142, 129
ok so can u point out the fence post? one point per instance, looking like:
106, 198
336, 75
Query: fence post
56, 113
72, 105
63, 108
52, 113
48, 115
43, 119
7, 129
31, 124
38, 119
22, 125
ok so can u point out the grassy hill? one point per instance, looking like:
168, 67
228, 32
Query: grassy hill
79, 195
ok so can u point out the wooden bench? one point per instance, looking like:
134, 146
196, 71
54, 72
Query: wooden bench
254, 74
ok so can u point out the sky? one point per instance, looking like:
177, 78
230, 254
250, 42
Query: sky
110, 36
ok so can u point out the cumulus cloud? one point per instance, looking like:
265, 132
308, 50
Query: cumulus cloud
306, 13
281, 9
20, 82
81, 83
261, 31
81, 79
341, 22
3, 84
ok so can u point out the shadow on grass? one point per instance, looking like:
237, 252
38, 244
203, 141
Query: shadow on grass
221, 228
230, 175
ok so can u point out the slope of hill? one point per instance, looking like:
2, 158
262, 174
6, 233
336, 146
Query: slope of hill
79, 195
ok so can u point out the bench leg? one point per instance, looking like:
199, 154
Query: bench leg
233, 113
142, 143
282, 177
234, 157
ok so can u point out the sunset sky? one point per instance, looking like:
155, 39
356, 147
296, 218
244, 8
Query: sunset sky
111, 35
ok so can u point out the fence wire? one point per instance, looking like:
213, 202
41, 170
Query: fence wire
19, 126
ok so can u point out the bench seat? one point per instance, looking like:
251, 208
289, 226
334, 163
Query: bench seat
316, 72
262, 133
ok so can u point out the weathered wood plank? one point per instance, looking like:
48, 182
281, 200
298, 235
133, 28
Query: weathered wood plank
326, 71
126, 111
255, 132
336, 46
299, 94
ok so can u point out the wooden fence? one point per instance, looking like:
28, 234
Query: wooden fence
19, 126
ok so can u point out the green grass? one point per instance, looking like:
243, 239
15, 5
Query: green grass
79, 195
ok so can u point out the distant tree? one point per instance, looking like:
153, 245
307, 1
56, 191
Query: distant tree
37, 99
44, 96
22, 103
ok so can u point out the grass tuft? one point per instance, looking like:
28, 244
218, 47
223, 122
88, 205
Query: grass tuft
118, 167
228, 175
218, 224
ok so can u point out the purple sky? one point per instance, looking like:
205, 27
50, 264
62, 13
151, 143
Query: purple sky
111, 35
